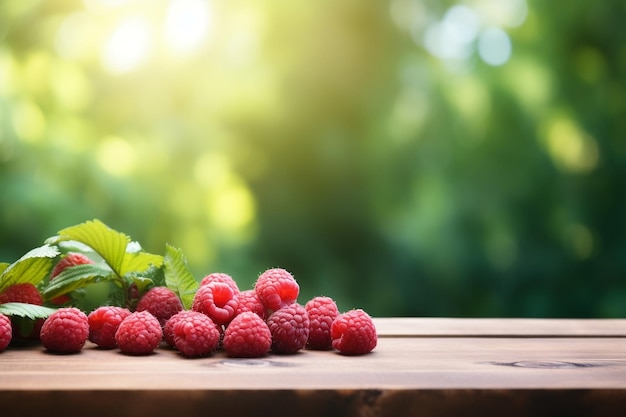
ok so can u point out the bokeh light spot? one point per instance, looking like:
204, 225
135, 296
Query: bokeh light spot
507, 13
573, 150
128, 45
452, 37
494, 46
187, 23
116, 156
29, 121
232, 206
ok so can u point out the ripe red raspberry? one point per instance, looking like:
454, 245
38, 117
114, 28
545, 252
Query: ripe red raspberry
289, 326
249, 300
216, 300
139, 334
21, 293
354, 333
322, 312
71, 259
276, 288
220, 277
161, 302
103, 323
6, 332
65, 331
195, 334
247, 336
168, 329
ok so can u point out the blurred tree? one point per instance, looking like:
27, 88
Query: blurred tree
409, 157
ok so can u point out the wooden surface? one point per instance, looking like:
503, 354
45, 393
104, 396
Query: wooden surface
421, 366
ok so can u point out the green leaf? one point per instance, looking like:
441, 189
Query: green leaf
3, 266
139, 262
178, 278
108, 243
78, 276
32, 268
30, 311
153, 275
116, 248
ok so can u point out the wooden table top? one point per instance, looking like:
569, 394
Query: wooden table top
421, 366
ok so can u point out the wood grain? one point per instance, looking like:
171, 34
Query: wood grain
476, 366
497, 327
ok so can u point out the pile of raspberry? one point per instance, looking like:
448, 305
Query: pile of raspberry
244, 324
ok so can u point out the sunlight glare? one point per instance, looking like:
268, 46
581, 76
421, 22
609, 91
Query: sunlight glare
187, 23
127, 46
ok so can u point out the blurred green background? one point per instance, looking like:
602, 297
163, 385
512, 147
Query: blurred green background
408, 157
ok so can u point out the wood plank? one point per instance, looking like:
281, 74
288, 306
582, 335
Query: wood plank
411, 374
498, 327
396, 363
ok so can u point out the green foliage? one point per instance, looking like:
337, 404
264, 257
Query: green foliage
77, 277
111, 245
29, 311
178, 277
32, 267
333, 139
124, 264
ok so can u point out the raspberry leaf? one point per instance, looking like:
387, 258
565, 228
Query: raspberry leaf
139, 262
31, 268
108, 243
178, 278
30, 311
78, 276
116, 248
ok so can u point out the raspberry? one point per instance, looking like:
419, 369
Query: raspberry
6, 332
247, 336
216, 300
161, 302
168, 329
71, 259
65, 331
249, 300
220, 277
276, 288
139, 334
103, 323
354, 333
322, 312
289, 326
21, 293
195, 334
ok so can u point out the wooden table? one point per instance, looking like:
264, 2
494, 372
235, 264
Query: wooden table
421, 367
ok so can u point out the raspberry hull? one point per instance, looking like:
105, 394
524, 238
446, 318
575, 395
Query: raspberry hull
276, 288
216, 300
